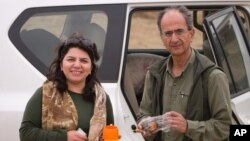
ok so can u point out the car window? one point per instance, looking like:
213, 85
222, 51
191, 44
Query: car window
231, 48
37, 31
144, 33
43, 31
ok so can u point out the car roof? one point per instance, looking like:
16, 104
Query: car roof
77, 2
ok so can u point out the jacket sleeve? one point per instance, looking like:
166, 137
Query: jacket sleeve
31, 130
217, 128
145, 109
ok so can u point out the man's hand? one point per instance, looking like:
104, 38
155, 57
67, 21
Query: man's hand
176, 121
142, 125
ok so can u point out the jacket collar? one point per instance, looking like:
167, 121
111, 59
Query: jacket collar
202, 62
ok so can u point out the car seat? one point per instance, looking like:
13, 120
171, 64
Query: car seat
41, 43
137, 65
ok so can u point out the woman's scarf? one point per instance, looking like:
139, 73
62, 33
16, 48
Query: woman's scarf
59, 111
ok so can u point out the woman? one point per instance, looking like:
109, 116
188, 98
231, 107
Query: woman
71, 98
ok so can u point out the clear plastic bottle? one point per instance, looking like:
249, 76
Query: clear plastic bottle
155, 124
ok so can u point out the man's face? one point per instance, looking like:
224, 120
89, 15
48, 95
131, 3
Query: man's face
175, 35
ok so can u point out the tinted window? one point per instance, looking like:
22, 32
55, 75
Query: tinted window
231, 47
41, 29
42, 32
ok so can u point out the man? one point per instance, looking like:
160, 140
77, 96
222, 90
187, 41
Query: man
187, 89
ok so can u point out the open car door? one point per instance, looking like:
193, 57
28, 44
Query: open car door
230, 49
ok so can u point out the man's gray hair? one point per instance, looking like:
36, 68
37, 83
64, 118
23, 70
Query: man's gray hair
187, 14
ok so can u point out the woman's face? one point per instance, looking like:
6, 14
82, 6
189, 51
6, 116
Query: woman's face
76, 66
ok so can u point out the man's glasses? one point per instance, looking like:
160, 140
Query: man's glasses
178, 32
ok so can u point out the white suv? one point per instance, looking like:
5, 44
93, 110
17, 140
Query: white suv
127, 38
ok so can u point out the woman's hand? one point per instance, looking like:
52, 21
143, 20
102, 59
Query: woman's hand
74, 135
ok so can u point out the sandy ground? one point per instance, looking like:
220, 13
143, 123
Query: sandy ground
144, 31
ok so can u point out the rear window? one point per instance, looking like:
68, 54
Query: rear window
37, 31
42, 32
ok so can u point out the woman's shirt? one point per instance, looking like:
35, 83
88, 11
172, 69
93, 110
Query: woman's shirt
31, 126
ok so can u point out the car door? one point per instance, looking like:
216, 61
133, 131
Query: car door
230, 47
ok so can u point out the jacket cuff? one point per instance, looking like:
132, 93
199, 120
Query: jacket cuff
191, 126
